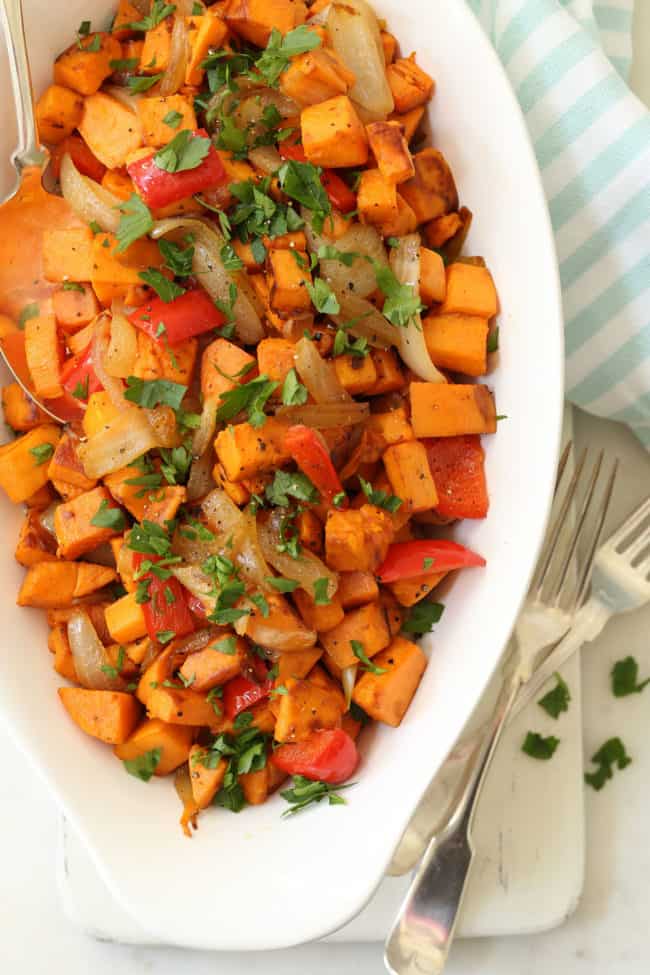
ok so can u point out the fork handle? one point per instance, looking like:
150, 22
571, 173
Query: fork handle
424, 928
589, 621
29, 151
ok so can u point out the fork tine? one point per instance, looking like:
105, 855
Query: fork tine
637, 546
630, 524
577, 531
561, 517
585, 578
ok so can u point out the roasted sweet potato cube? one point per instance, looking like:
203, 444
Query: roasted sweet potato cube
408, 121
376, 198
356, 589
255, 786
457, 342
60, 647
333, 134
173, 741
127, 13
68, 254
125, 619
297, 665
316, 76
157, 45
50, 585
245, 451
357, 374
20, 410
74, 307
35, 544
225, 365
404, 223
386, 697
437, 232
206, 781
58, 113
357, 540
389, 45
83, 68
156, 361
390, 149
23, 462
310, 531
433, 283
212, 666
407, 592
288, 278
255, 19
410, 478
367, 625
446, 410
410, 85
110, 716
182, 706
317, 617
110, 129
432, 191
390, 377
470, 291
304, 708
276, 358
205, 31
75, 532
153, 112
385, 429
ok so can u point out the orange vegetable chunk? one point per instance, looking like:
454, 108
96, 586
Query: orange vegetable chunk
110, 716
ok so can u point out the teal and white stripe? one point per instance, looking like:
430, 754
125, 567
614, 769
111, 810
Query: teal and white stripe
567, 61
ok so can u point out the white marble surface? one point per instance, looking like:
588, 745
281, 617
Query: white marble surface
608, 934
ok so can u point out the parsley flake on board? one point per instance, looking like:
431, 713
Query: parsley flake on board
609, 755
135, 221
305, 792
422, 617
366, 662
280, 49
625, 678
41, 453
536, 746
108, 517
557, 699
150, 393
144, 766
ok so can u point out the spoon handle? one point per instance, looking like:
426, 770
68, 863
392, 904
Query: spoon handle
29, 151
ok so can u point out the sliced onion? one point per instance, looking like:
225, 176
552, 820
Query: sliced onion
266, 158
280, 640
405, 263
80, 341
174, 76
327, 416
251, 562
163, 423
359, 278
90, 656
306, 569
123, 95
318, 375
356, 38
46, 518
204, 433
124, 439
200, 481
114, 387
196, 550
208, 267
250, 110
89, 201
321, 16
122, 349
348, 680
360, 317
222, 514
183, 786
198, 583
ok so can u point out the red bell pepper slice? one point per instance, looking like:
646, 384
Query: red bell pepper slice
241, 693
340, 195
186, 316
78, 373
326, 756
312, 457
158, 188
405, 560
166, 610
457, 466
86, 162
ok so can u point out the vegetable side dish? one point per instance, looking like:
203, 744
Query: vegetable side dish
251, 307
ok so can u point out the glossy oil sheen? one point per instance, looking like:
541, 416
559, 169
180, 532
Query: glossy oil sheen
253, 880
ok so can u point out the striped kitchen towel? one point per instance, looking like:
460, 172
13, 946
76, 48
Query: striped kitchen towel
568, 61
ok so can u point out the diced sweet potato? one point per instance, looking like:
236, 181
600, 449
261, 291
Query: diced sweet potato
154, 57
386, 697
84, 69
408, 471
410, 85
127, 13
246, 451
75, 532
433, 283
333, 134
390, 377
204, 31
60, 647
225, 365
255, 19
390, 149
66, 465
457, 342
408, 121
317, 617
125, 619
404, 223
407, 592
447, 410
211, 667
158, 361
118, 183
389, 46
183, 706
20, 410
367, 625
280, 630
110, 716
158, 504
310, 531
23, 462
58, 113
357, 374
357, 540
304, 708
276, 358
111, 130
356, 589
316, 76
100, 413
288, 278
205, 781
376, 198
255, 785
35, 544
55, 584
470, 291
174, 742
437, 232
68, 254
74, 308
297, 665
432, 191
153, 111
385, 429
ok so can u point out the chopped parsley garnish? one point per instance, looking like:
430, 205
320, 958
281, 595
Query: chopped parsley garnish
323, 298
259, 600
159, 11
41, 453
280, 50
150, 393
227, 645
164, 288
493, 340
610, 755
402, 302
185, 151
164, 636
230, 137
230, 259
144, 766
282, 585
245, 752
536, 746
212, 698
141, 83
108, 517
422, 617
173, 119
72, 286
114, 672
342, 346
124, 64
135, 221
625, 678
290, 484
321, 592
339, 499
328, 252
257, 214
177, 259
29, 311
227, 589
381, 499
250, 397
176, 463
301, 181
304, 792
148, 538
557, 699
293, 391
366, 662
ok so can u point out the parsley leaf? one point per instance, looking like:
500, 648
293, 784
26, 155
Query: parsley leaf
339, 499
292, 484
28, 311
366, 662
557, 699
114, 672
293, 391
538, 747
321, 592
230, 137
328, 252
164, 288
177, 259
342, 345
282, 585
41, 453
185, 151
250, 397
144, 766
402, 302
493, 340
159, 11
139, 83
611, 754
301, 181
173, 119
304, 792
108, 517
279, 51
73, 286
136, 221
150, 393
149, 539
625, 674
381, 499
422, 617
323, 298
124, 64
81, 389
165, 636
230, 259
227, 645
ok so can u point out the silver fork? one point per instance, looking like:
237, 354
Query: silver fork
422, 933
